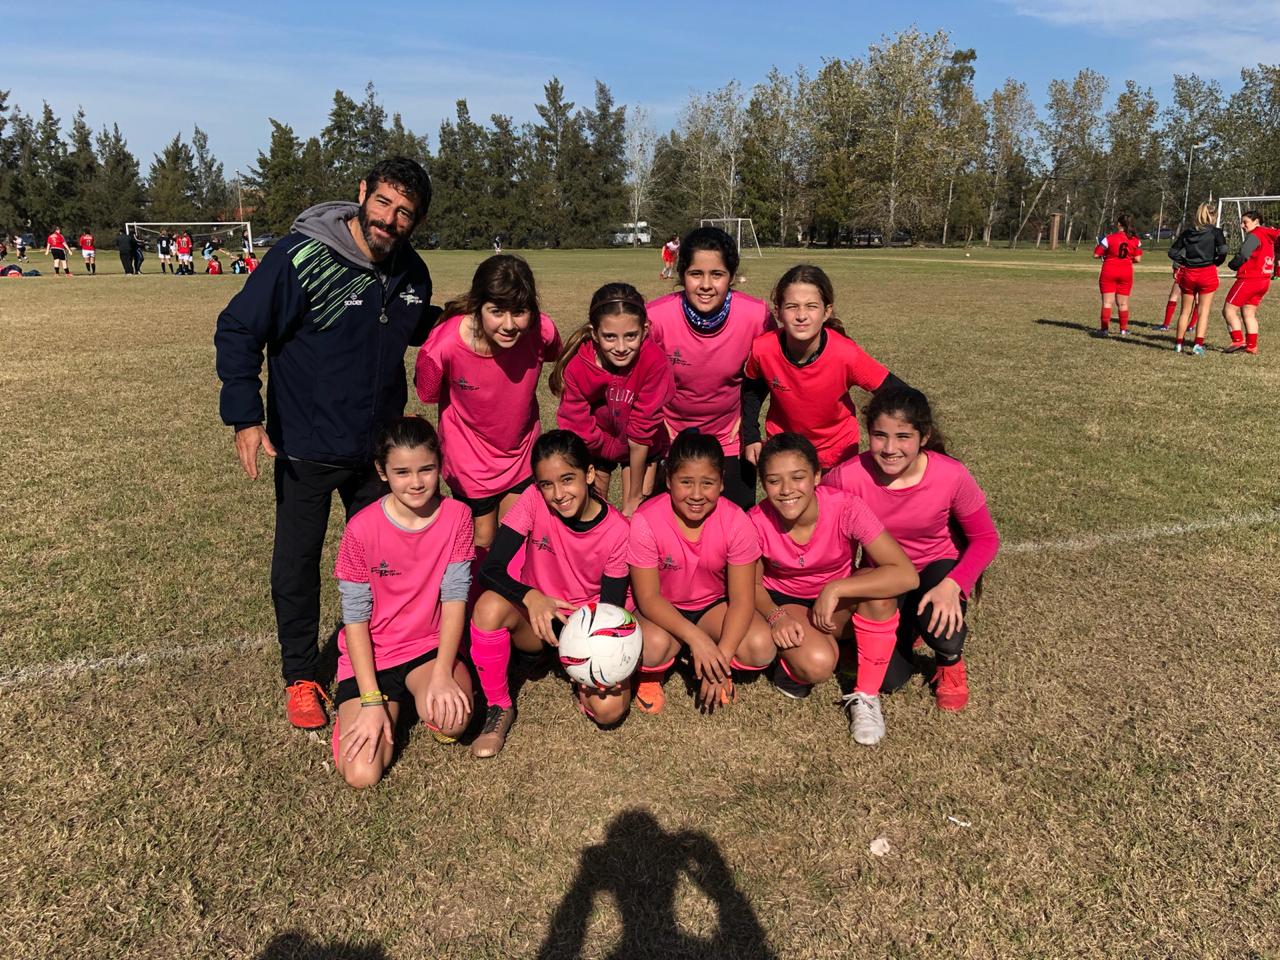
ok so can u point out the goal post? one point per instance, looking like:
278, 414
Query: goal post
1231, 209
227, 231
740, 228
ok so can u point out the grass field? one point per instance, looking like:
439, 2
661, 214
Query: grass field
1113, 783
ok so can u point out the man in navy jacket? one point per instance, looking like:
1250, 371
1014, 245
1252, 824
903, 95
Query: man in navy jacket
335, 304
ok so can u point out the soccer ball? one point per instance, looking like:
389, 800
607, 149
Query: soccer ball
600, 645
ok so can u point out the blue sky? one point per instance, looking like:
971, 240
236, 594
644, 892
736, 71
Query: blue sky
158, 68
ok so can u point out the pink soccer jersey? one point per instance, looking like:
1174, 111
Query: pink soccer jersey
404, 569
802, 570
691, 574
561, 562
708, 369
608, 409
488, 405
918, 516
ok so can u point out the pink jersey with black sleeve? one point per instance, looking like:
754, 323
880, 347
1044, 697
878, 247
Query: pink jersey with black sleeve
708, 368
691, 574
562, 562
802, 570
609, 409
918, 517
404, 569
488, 404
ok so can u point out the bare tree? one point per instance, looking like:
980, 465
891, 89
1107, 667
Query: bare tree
638, 152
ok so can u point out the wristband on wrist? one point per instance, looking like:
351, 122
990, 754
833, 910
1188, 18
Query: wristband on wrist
773, 618
372, 698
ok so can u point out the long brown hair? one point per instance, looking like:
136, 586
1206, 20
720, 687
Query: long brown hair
814, 276
503, 280
611, 300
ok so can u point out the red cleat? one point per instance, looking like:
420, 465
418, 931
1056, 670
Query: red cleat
951, 686
304, 708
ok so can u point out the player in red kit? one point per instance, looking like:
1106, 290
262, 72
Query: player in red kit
56, 247
1254, 266
1118, 251
182, 247
87, 251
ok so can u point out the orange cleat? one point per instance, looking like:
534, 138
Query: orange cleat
951, 686
303, 706
650, 697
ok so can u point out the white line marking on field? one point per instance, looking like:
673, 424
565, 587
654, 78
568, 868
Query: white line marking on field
80, 666
1138, 534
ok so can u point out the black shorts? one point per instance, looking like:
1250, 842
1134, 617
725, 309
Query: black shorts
693, 616
782, 599
390, 681
480, 506
58, 254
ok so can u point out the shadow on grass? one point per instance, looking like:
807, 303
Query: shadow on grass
640, 864
1149, 340
299, 946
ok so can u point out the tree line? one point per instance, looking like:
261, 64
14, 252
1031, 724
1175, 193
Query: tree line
892, 144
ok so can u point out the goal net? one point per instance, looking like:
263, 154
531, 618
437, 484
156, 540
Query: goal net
741, 229
226, 237
1230, 210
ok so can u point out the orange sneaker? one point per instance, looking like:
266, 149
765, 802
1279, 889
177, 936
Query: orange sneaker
951, 686
303, 705
650, 697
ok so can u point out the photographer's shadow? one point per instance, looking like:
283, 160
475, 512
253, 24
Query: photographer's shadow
640, 864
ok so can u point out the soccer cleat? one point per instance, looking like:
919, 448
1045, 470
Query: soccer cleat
439, 735
1177, 348
303, 706
1162, 328
1197, 351
951, 686
493, 735
866, 722
1124, 333
1252, 350
1234, 348
650, 697
787, 685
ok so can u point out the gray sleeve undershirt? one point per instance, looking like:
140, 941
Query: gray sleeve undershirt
457, 581
357, 601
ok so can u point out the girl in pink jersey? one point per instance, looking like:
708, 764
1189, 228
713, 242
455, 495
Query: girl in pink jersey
936, 511
806, 369
706, 330
613, 383
403, 569
693, 556
481, 365
575, 553
807, 589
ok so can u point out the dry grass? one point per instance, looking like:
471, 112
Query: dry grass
1117, 765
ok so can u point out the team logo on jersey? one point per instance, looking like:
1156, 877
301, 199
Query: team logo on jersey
461, 384
384, 569
679, 361
544, 543
353, 302
776, 385
800, 562
668, 563
411, 298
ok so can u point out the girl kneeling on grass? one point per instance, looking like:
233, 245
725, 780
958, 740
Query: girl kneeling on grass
403, 569
481, 365
575, 553
807, 589
614, 382
938, 513
693, 560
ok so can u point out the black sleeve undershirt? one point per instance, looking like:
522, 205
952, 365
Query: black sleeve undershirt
891, 381
753, 396
493, 571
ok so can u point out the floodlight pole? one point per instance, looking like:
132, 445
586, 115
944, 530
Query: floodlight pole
1186, 194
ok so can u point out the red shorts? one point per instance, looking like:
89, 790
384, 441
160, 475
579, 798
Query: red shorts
1248, 291
1116, 281
1196, 280
668, 256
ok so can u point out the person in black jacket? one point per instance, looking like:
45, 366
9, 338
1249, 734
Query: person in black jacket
124, 246
1198, 252
335, 304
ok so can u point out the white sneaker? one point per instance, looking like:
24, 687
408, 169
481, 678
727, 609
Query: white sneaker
866, 722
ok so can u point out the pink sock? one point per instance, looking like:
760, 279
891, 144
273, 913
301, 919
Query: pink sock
875, 639
658, 672
491, 653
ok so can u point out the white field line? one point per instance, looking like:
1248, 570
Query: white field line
80, 666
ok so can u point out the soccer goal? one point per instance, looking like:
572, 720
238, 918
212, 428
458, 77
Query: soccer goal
226, 235
740, 228
1230, 210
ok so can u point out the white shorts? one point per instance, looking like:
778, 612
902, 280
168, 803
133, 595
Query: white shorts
184, 258
164, 257
87, 254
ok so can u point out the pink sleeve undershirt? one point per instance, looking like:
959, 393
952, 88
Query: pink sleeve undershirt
984, 541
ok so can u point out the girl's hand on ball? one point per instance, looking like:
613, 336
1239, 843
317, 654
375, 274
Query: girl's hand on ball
542, 611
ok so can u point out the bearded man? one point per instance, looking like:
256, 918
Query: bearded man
335, 304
